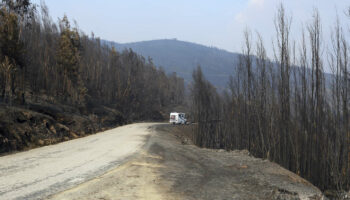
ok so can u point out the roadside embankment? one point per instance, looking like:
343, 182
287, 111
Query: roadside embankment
35, 125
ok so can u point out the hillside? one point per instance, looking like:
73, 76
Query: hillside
59, 84
182, 57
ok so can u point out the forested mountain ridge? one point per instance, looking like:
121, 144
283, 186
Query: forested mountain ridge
57, 83
183, 57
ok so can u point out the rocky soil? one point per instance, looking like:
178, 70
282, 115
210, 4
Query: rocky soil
34, 125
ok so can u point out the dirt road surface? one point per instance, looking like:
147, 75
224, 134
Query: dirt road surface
169, 167
41, 172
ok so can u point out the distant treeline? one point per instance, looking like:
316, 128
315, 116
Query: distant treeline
280, 112
57, 63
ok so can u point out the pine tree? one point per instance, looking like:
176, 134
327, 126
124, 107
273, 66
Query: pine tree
11, 52
68, 57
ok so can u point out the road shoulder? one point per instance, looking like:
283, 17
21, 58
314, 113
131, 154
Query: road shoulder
168, 168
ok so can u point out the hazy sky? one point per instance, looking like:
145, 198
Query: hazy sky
212, 23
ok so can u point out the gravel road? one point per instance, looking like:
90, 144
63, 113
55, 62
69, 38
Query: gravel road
41, 172
145, 161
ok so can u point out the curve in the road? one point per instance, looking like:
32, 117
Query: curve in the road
40, 172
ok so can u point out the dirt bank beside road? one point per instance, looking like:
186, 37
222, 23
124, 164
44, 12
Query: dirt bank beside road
168, 168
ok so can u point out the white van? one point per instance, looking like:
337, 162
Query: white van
177, 118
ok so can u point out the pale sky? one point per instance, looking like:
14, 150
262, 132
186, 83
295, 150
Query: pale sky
213, 23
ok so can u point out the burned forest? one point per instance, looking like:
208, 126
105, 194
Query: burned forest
57, 83
291, 107
283, 108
